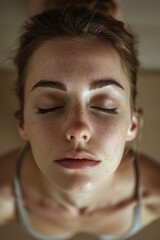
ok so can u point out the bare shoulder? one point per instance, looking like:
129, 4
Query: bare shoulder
150, 179
7, 201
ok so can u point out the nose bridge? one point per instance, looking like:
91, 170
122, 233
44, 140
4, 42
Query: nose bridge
78, 128
79, 112
79, 115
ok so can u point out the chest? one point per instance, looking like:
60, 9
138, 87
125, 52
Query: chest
107, 221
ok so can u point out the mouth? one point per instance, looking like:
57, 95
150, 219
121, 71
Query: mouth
78, 160
77, 163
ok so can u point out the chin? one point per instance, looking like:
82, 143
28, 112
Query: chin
78, 183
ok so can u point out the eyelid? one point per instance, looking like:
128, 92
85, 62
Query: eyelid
48, 98
47, 110
106, 110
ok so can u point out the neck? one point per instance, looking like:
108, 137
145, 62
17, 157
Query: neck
76, 203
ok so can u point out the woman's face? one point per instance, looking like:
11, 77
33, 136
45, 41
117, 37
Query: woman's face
77, 102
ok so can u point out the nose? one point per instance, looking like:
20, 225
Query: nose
78, 132
78, 136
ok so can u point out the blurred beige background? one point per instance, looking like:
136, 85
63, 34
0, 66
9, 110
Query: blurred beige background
144, 18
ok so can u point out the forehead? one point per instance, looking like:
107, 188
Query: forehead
71, 58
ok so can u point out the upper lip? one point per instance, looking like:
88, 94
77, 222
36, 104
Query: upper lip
78, 155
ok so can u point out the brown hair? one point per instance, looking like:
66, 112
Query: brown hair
74, 21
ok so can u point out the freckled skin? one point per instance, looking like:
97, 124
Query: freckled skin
88, 200
76, 63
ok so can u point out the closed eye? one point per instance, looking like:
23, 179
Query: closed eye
47, 110
106, 110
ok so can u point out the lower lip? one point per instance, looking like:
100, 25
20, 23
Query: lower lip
77, 163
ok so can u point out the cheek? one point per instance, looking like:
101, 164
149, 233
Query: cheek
41, 132
111, 140
44, 140
112, 131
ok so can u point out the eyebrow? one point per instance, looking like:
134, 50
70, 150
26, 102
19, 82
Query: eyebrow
59, 85
104, 83
51, 84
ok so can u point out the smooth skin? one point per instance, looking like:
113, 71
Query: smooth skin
77, 98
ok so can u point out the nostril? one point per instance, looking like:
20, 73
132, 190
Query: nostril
85, 137
78, 134
78, 137
71, 137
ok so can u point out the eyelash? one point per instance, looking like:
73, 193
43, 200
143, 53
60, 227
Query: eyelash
47, 110
105, 110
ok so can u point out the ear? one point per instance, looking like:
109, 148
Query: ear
133, 129
22, 129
